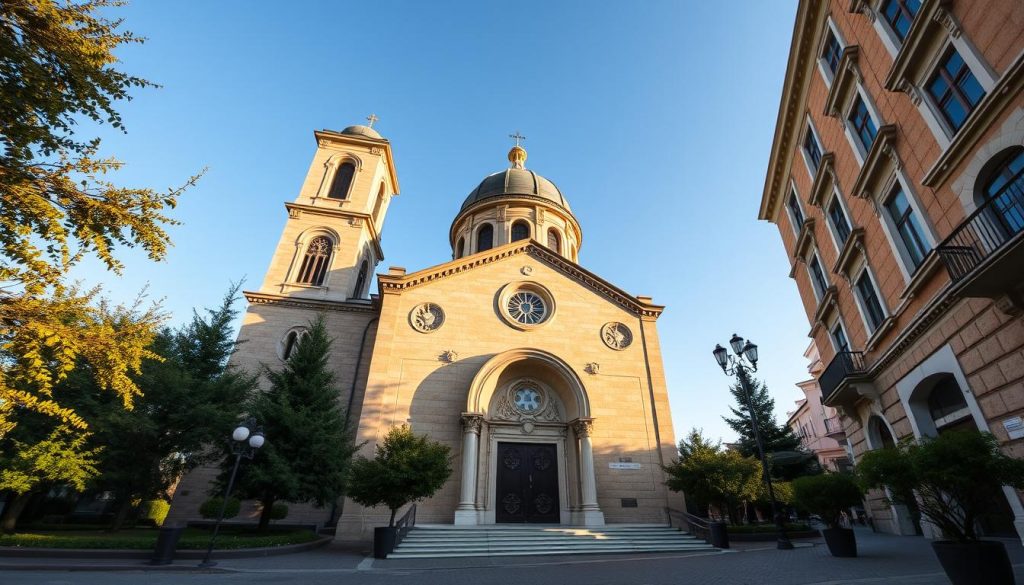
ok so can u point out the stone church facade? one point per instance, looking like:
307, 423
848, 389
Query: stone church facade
545, 379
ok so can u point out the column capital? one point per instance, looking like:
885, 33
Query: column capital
472, 422
583, 427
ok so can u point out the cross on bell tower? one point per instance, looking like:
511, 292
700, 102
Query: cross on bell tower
371, 119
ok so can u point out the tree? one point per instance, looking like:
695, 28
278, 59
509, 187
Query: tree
309, 449
57, 206
794, 460
405, 468
710, 475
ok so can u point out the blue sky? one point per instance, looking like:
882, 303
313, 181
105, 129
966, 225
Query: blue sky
654, 118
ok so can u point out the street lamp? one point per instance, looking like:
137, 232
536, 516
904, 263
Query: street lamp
738, 365
245, 442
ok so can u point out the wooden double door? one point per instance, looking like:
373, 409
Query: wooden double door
527, 483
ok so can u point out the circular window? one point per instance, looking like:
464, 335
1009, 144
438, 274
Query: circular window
527, 399
527, 308
525, 305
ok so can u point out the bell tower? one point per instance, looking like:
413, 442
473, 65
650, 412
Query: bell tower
330, 245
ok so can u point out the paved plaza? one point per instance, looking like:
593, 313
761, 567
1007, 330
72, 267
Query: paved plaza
897, 560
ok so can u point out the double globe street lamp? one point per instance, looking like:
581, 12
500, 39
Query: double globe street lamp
246, 439
738, 365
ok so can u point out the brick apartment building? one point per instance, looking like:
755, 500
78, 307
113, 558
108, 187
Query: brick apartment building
896, 179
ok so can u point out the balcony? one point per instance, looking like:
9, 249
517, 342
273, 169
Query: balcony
834, 429
845, 380
984, 253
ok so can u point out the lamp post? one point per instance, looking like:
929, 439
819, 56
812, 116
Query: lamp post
245, 441
739, 365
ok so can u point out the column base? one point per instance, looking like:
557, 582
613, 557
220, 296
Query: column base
588, 518
467, 517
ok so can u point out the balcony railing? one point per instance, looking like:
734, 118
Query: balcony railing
834, 427
844, 365
983, 233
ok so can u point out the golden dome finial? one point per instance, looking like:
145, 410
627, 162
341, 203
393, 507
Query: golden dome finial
517, 156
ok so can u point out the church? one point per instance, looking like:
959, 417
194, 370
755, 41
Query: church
545, 379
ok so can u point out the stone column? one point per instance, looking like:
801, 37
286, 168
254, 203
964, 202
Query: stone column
591, 512
472, 422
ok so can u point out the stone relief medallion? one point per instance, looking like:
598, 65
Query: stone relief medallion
426, 317
526, 270
528, 427
616, 336
511, 503
543, 503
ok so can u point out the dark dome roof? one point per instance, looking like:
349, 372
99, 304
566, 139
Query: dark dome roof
515, 182
362, 131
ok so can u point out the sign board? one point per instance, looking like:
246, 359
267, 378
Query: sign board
621, 465
1014, 427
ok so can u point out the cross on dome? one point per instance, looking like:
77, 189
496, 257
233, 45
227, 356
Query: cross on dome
371, 119
517, 156
517, 136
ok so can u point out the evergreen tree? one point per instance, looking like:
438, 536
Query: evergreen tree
308, 449
712, 476
777, 439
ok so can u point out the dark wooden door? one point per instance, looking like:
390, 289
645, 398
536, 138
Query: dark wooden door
527, 483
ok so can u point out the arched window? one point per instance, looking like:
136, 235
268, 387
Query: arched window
460, 248
342, 181
880, 434
553, 241
1004, 188
485, 238
376, 207
947, 404
364, 269
520, 231
291, 342
316, 262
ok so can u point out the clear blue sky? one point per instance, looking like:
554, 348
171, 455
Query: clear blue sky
654, 118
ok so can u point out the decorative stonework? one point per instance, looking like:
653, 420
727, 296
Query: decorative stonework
449, 356
593, 368
583, 427
525, 304
355, 221
526, 402
472, 422
426, 317
616, 336
526, 270
376, 150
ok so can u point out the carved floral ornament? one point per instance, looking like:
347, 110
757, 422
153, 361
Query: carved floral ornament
616, 335
583, 427
426, 317
526, 402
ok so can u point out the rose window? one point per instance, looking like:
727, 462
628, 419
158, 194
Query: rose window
527, 400
527, 308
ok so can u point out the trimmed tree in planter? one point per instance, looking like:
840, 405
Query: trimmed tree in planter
953, 476
828, 495
405, 468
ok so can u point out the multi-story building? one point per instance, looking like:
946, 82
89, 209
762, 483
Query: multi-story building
818, 426
896, 179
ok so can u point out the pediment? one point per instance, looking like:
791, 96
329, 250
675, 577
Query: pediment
640, 306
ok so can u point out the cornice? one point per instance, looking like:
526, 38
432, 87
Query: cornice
804, 239
913, 51
397, 283
938, 307
810, 19
853, 245
883, 150
1009, 87
824, 178
373, 144
827, 304
355, 219
260, 298
847, 76
504, 199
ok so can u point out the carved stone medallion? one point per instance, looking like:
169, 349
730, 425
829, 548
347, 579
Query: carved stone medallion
426, 317
616, 335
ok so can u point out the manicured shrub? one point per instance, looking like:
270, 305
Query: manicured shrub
279, 511
155, 510
826, 495
211, 508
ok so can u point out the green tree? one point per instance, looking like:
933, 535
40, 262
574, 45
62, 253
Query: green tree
57, 206
710, 475
405, 468
308, 449
793, 460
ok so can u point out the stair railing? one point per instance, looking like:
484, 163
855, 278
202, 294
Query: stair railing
404, 524
712, 532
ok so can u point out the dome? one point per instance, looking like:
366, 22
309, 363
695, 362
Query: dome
511, 182
360, 130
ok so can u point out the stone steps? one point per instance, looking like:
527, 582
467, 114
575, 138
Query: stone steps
450, 541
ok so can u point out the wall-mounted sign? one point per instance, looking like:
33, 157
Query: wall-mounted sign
1014, 427
622, 465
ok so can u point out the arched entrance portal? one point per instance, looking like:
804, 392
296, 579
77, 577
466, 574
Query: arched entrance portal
526, 450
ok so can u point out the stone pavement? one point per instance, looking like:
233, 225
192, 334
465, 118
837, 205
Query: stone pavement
885, 559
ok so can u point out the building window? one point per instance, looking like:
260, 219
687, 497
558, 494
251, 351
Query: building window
460, 248
909, 227
869, 301
316, 262
291, 342
795, 213
364, 270
817, 276
1005, 189
832, 52
946, 403
862, 124
553, 241
376, 207
839, 338
485, 238
342, 181
812, 149
520, 231
839, 223
954, 89
900, 14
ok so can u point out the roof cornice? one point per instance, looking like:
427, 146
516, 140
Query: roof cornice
396, 283
355, 219
261, 298
365, 141
810, 17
